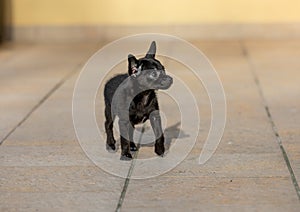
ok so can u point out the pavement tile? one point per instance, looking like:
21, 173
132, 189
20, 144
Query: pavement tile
44, 167
190, 193
58, 201
277, 67
248, 153
43, 130
43, 156
51, 179
29, 73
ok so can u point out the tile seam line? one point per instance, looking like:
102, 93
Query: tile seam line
246, 54
132, 165
44, 98
129, 173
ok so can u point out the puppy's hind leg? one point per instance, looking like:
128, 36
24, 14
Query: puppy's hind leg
110, 140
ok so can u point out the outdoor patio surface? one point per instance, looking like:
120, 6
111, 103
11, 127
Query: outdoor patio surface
256, 166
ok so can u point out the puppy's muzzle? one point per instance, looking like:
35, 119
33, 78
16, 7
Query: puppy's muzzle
165, 82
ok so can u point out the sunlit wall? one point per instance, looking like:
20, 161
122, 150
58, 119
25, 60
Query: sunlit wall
153, 12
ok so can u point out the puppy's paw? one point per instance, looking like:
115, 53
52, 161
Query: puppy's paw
126, 156
133, 147
111, 148
159, 149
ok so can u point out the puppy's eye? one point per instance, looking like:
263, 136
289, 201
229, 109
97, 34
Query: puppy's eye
153, 74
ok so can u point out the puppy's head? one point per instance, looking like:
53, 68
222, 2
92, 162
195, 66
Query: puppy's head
148, 72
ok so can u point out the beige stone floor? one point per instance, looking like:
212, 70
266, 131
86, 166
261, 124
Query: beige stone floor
255, 168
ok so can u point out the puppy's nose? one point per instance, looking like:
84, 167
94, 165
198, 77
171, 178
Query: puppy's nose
167, 79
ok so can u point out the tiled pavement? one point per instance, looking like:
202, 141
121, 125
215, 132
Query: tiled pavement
43, 167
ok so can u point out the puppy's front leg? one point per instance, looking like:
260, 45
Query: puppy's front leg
133, 147
159, 136
125, 143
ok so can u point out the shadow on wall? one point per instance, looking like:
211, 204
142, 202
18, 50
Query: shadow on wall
5, 20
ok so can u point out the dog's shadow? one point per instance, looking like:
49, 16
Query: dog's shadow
171, 134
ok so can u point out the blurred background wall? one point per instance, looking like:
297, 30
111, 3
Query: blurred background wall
5, 20
131, 12
210, 19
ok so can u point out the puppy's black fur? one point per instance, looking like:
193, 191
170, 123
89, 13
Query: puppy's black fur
132, 98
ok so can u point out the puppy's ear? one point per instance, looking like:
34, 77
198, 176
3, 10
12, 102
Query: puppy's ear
152, 50
132, 64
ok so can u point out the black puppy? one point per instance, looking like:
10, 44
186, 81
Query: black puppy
132, 98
